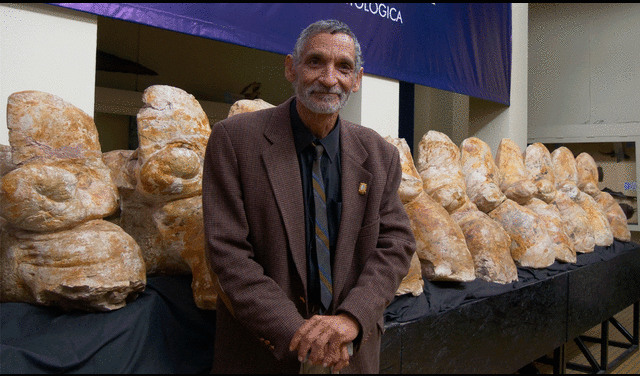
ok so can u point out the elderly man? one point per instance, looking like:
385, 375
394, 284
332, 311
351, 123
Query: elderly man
303, 224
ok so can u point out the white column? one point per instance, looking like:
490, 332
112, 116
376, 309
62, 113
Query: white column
376, 105
50, 49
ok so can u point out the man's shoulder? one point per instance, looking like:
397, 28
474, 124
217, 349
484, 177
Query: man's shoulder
254, 119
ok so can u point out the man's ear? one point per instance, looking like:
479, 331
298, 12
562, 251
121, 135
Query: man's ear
356, 85
289, 69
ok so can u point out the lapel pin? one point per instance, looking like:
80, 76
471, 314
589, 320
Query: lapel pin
362, 188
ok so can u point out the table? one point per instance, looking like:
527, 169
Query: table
472, 327
489, 328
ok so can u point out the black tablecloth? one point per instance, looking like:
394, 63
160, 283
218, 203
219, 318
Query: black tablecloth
163, 331
442, 296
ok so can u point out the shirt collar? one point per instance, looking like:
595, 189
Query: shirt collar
302, 136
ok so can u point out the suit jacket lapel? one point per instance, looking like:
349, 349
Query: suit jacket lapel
353, 155
282, 167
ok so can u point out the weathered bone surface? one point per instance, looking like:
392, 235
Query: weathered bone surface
537, 161
161, 187
94, 266
56, 249
539, 164
434, 262
43, 126
481, 175
122, 164
439, 167
566, 174
487, 242
561, 243
564, 167
598, 222
602, 229
248, 105
57, 194
516, 183
173, 131
61, 180
440, 243
587, 174
411, 185
530, 242
588, 183
576, 223
6, 164
412, 283
616, 217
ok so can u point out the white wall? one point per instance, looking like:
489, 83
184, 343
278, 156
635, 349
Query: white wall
376, 105
381, 105
584, 73
353, 110
584, 81
49, 49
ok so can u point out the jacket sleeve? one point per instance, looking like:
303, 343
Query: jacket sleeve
253, 298
387, 264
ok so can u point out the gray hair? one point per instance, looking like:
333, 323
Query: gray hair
329, 27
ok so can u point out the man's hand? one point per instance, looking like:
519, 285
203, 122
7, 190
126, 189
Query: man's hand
325, 339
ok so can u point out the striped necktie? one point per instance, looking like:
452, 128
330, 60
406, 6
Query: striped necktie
322, 231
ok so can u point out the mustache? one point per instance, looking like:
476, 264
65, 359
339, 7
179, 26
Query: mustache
321, 89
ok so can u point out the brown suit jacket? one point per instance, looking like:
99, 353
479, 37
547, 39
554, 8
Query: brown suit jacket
254, 228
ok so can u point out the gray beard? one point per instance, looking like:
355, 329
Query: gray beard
321, 107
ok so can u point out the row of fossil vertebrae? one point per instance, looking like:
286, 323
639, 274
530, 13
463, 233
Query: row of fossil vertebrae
472, 216
476, 216
56, 187
55, 190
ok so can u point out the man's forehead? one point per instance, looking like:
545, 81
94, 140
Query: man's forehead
324, 40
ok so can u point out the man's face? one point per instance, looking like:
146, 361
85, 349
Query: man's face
325, 76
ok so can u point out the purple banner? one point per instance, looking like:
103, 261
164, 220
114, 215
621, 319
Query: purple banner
460, 47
